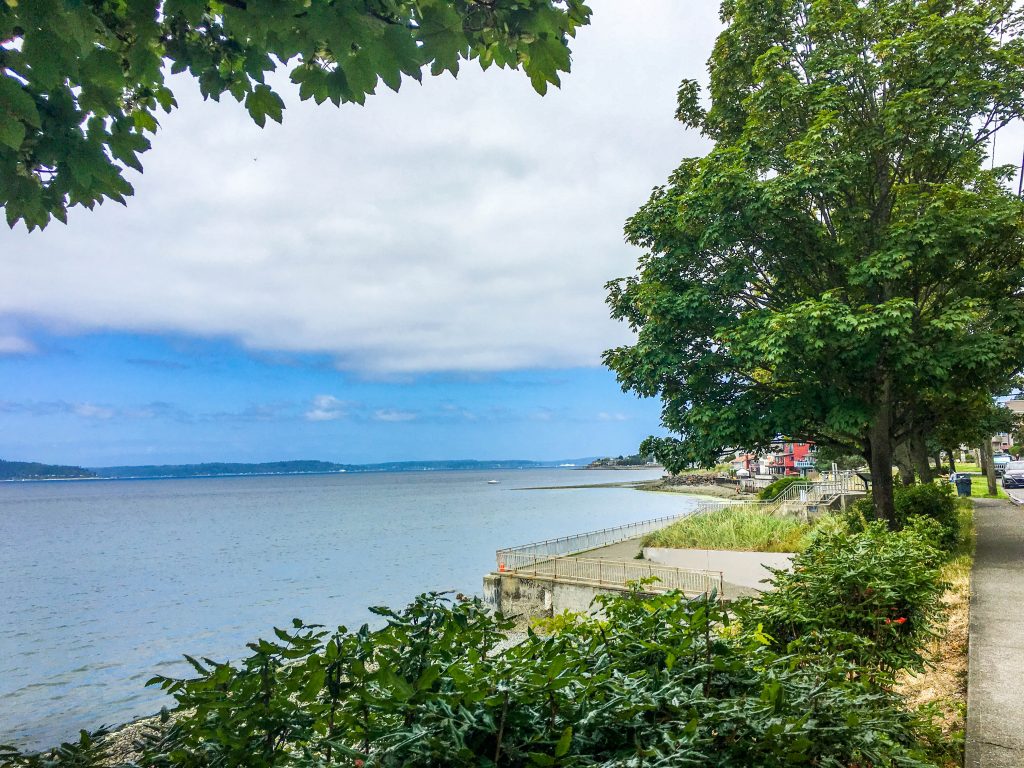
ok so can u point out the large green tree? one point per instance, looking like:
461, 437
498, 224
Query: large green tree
81, 81
843, 252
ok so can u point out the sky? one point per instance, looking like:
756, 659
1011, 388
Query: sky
419, 278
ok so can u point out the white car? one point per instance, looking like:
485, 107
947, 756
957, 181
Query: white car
1013, 475
999, 461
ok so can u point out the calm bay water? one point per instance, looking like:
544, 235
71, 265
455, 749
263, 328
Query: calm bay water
103, 584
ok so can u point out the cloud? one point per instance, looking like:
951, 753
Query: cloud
394, 414
11, 344
157, 410
251, 413
58, 407
612, 416
168, 365
461, 225
326, 408
452, 411
93, 411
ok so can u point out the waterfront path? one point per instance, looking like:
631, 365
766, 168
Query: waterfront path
622, 550
995, 691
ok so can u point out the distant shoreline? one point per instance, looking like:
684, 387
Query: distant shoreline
369, 470
716, 491
651, 486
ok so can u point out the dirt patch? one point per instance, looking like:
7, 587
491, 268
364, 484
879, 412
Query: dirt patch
944, 683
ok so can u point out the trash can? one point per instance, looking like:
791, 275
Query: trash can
963, 484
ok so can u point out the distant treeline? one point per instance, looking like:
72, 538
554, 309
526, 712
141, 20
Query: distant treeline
23, 470
307, 467
33, 470
636, 460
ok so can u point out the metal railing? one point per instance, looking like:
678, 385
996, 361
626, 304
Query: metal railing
810, 493
514, 558
796, 498
619, 573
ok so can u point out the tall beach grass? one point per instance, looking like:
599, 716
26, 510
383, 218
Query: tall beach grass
734, 528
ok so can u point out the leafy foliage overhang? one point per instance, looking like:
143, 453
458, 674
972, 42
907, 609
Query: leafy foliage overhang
82, 81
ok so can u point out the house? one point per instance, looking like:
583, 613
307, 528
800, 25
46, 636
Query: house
784, 459
1002, 441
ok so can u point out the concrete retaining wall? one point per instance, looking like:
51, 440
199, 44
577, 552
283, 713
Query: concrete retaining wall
746, 569
529, 597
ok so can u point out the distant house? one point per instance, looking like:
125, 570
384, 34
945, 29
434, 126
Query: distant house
791, 460
745, 464
1002, 441
784, 459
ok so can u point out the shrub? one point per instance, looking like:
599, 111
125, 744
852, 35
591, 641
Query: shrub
736, 528
929, 500
874, 592
771, 491
658, 681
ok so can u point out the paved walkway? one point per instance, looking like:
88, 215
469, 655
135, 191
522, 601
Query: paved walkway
623, 550
629, 549
995, 685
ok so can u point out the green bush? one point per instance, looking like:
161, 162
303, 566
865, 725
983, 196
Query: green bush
875, 593
735, 528
657, 681
771, 491
930, 500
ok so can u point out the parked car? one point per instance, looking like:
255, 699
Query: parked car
999, 461
1013, 475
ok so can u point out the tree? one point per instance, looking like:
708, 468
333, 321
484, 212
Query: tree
973, 422
81, 81
842, 253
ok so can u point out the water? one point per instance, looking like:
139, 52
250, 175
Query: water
103, 584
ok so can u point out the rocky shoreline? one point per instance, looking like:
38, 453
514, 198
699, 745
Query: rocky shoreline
698, 484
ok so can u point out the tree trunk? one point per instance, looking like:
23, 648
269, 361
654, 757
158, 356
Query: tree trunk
938, 462
880, 440
919, 456
904, 464
990, 467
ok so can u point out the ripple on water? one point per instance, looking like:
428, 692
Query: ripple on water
106, 583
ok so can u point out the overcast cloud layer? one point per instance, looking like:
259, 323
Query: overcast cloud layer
460, 225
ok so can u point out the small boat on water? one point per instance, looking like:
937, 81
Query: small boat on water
493, 482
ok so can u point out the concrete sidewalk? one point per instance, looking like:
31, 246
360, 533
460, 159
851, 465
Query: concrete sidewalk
995, 683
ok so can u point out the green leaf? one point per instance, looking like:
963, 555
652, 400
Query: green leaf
15, 100
12, 131
262, 103
428, 678
564, 743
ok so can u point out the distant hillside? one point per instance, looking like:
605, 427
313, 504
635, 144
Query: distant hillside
32, 470
215, 469
221, 469
636, 461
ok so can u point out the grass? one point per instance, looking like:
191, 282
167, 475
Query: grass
979, 488
734, 528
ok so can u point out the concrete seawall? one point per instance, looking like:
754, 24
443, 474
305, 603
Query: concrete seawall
532, 597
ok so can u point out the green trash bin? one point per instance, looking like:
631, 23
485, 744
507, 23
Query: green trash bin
963, 484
